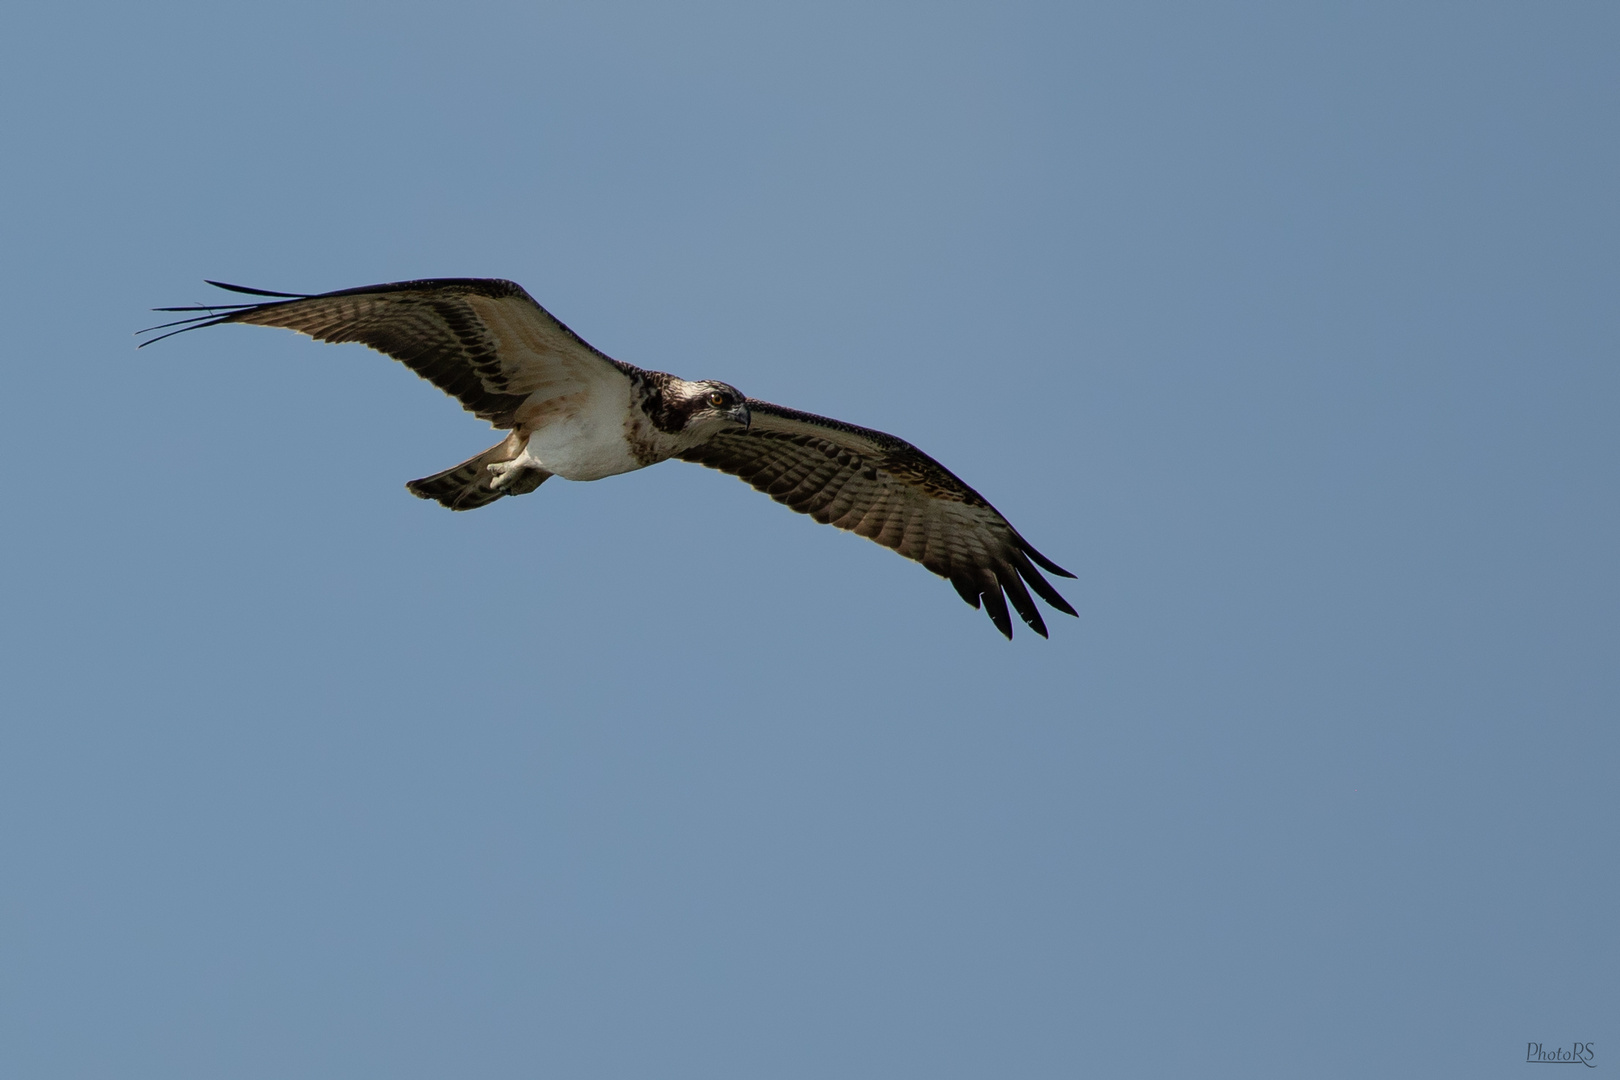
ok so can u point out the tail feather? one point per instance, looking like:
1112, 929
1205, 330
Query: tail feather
470, 485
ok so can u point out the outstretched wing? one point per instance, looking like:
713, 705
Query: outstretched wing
885, 489
483, 341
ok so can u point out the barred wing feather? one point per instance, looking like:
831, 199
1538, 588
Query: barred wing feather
483, 341
883, 488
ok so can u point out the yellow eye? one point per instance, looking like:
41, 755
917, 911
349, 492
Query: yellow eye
717, 399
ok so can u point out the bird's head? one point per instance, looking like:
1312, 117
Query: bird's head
707, 407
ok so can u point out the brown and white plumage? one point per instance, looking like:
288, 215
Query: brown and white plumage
577, 413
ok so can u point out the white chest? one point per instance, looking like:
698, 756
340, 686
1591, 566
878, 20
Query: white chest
586, 441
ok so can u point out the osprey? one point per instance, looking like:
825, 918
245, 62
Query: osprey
579, 414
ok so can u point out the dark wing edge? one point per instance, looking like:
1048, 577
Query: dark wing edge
492, 287
431, 329
197, 322
885, 489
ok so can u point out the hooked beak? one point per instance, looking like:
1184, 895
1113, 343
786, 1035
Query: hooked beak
742, 415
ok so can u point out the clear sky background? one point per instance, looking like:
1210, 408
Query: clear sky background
1292, 331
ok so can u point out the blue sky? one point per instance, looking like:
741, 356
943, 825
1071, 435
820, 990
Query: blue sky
1291, 331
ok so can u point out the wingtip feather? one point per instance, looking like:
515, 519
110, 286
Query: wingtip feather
256, 292
1041, 560
184, 324
1022, 602
1042, 587
995, 605
967, 591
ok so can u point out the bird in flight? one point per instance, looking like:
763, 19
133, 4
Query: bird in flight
579, 414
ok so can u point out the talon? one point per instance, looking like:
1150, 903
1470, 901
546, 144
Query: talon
502, 473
